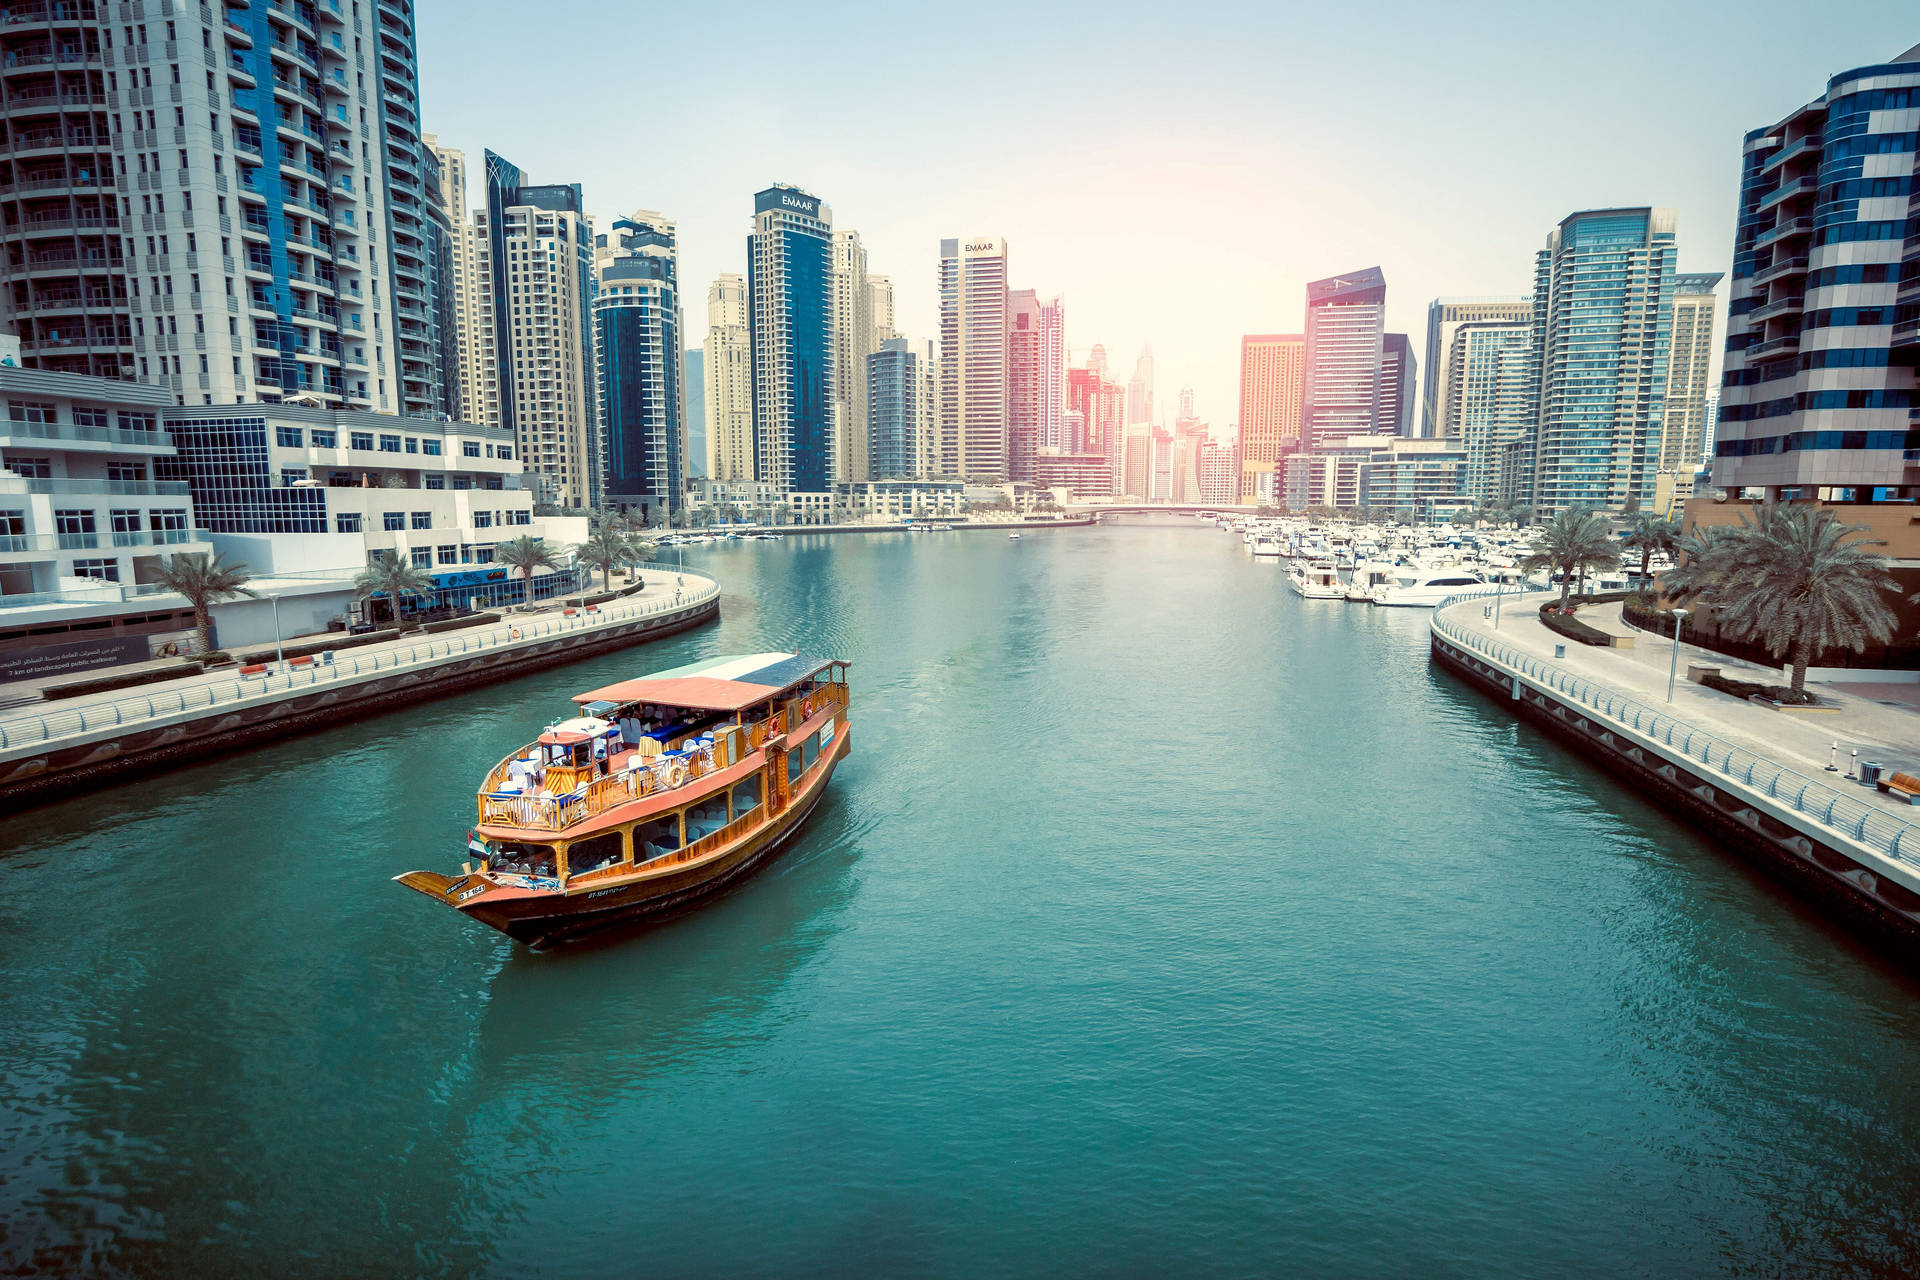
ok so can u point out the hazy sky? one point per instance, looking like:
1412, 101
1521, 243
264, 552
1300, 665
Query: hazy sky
1177, 171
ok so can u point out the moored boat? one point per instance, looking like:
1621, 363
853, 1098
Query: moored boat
659, 792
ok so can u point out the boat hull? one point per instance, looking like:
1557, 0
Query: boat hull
544, 919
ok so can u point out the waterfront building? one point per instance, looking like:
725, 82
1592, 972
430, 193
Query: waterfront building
790, 315
1051, 419
85, 513
1444, 318
853, 342
1419, 478
880, 308
466, 292
1101, 406
1272, 388
1183, 467
248, 236
1136, 463
1486, 402
729, 373
892, 501
1603, 317
1219, 475
1345, 338
1823, 334
1140, 388
1026, 382
1684, 432
744, 501
896, 388
1084, 475
1334, 475
973, 436
640, 373
695, 363
1393, 412
538, 258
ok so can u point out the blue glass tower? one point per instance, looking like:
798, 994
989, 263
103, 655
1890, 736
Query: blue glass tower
894, 410
789, 288
637, 341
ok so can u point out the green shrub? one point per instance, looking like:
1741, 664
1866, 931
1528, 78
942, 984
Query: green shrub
1572, 628
1747, 689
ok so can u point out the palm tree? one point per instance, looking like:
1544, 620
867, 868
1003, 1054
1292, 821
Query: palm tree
1648, 532
607, 545
390, 576
523, 555
1573, 542
1699, 563
205, 581
1800, 582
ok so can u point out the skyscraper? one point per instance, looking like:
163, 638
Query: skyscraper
1393, 411
1683, 433
1823, 331
729, 370
790, 288
880, 308
896, 388
285, 230
1444, 317
468, 293
973, 438
638, 346
1272, 387
539, 275
1486, 402
1101, 404
696, 400
1346, 333
1603, 316
853, 342
1053, 374
1140, 388
1026, 382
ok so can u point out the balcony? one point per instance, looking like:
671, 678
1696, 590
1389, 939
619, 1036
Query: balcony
11, 431
156, 537
1799, 147
1780, 269
1792, 189
1774, 346
63, 487
1792, 304
1787, 229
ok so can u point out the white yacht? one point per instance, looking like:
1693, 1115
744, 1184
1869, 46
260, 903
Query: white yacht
1317, 580
1367, 577
1266, 544
1424, 588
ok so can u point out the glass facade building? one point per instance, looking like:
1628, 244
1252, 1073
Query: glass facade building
1603, 318
790, 310
1823, 329
637, 346
894, 390
1346, 334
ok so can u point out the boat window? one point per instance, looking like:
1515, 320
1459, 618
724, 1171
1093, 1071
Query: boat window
812, 748
656, 839
523, 859
706, 818
746, 796
793, 763
594, 853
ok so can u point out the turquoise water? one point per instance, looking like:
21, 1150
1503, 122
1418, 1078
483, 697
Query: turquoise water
1160, 923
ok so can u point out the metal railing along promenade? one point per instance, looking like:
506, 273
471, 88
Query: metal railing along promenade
30, 730
1844, 814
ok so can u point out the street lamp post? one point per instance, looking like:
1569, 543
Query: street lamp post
279, 650
1673, 668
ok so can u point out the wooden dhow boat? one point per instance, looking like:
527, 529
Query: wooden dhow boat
657, 793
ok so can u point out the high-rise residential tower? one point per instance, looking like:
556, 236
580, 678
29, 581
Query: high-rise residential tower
973, 436
1399, 387
790, 314
1051, 422
1272, 387
1346, 334
245, 229
1603, 316
1444, 318
853, 342
896, 388
880, 308
1140, 388
695, 364
1684, 433
1823, 332
729, 376
1486, 402
538, 257
468, 293
637, 347
1026, 382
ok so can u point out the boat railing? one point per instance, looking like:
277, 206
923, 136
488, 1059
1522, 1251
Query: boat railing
1824, 806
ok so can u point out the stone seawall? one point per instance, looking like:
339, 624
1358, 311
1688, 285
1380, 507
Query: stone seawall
1823, 864
65, 766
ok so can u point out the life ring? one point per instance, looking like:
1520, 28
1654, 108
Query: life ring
513, 633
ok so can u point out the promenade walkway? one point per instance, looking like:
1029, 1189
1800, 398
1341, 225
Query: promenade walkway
31, 727
1799, 740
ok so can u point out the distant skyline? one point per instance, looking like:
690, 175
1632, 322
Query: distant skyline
1177, 175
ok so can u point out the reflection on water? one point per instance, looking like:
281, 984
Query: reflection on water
1159, 921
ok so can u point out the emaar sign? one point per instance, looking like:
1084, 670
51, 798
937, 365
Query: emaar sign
789, 199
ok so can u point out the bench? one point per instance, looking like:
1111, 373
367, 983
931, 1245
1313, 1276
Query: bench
1901, 786
253, 669
305, 661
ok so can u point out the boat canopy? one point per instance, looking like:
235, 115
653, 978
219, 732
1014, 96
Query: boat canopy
569, 732
718, 684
